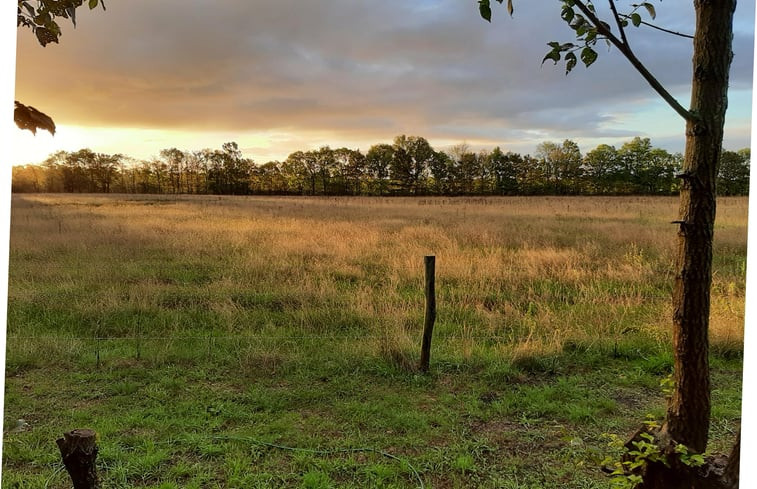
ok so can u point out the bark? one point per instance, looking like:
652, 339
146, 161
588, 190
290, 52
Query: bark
79, 451
688, 416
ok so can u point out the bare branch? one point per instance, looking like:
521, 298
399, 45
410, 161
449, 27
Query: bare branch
668, 31
631, 57
619, 22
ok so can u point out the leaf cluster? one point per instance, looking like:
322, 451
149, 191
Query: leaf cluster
581, 17
41, 18
587, 35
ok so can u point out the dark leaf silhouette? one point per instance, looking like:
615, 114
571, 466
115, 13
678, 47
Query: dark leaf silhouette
27, 117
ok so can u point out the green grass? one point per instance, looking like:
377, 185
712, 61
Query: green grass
220, 346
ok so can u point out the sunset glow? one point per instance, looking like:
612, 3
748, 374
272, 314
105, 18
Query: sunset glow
276, 82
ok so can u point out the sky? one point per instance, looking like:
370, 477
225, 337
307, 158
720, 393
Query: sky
287, 75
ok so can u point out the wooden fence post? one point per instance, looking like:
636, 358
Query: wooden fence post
428, 323
79, 451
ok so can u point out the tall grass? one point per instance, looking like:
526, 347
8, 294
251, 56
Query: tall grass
517, 277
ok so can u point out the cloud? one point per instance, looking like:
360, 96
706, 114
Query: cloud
374, 69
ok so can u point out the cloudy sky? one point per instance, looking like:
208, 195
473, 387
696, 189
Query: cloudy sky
284, 75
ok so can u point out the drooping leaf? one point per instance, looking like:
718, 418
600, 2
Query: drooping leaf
650, 9
484, 9
71, 11
45, 36
554, 55
509, 7
570, 62
54, 28
588, 56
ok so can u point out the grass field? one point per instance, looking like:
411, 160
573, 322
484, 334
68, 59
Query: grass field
272, 342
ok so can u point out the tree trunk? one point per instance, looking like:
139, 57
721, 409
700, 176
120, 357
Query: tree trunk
688, 416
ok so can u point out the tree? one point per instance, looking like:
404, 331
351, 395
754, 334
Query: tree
41, 19
350, 164
441, 167
174, 159
503, 167
601, 167
325, 165
733, 177
378, 161
562, 165
412, 156
462, 170
643, 169
688, 414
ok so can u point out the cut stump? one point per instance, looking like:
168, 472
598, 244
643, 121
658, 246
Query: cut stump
79, 451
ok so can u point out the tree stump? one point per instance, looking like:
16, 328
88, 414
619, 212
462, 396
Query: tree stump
79, 451
717, 472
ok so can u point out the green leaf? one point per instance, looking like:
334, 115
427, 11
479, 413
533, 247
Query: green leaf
588, 56
54, 28
570, 62
647, 437
92, 4
554, 55
42, 19
696, 460
45, 36
567, 13
483, 7
650, 9
636, 19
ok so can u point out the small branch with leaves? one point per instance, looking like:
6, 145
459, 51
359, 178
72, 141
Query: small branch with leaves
41, 18
581, 16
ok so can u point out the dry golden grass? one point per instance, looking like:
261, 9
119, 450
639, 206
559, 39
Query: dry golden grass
521, 275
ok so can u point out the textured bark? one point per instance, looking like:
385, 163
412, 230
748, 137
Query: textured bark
79, 451
688, 416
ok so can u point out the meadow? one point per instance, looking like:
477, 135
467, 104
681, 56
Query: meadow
273, 341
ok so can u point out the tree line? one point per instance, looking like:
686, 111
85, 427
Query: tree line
408, 166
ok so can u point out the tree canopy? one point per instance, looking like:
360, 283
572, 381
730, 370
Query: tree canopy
635, 168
